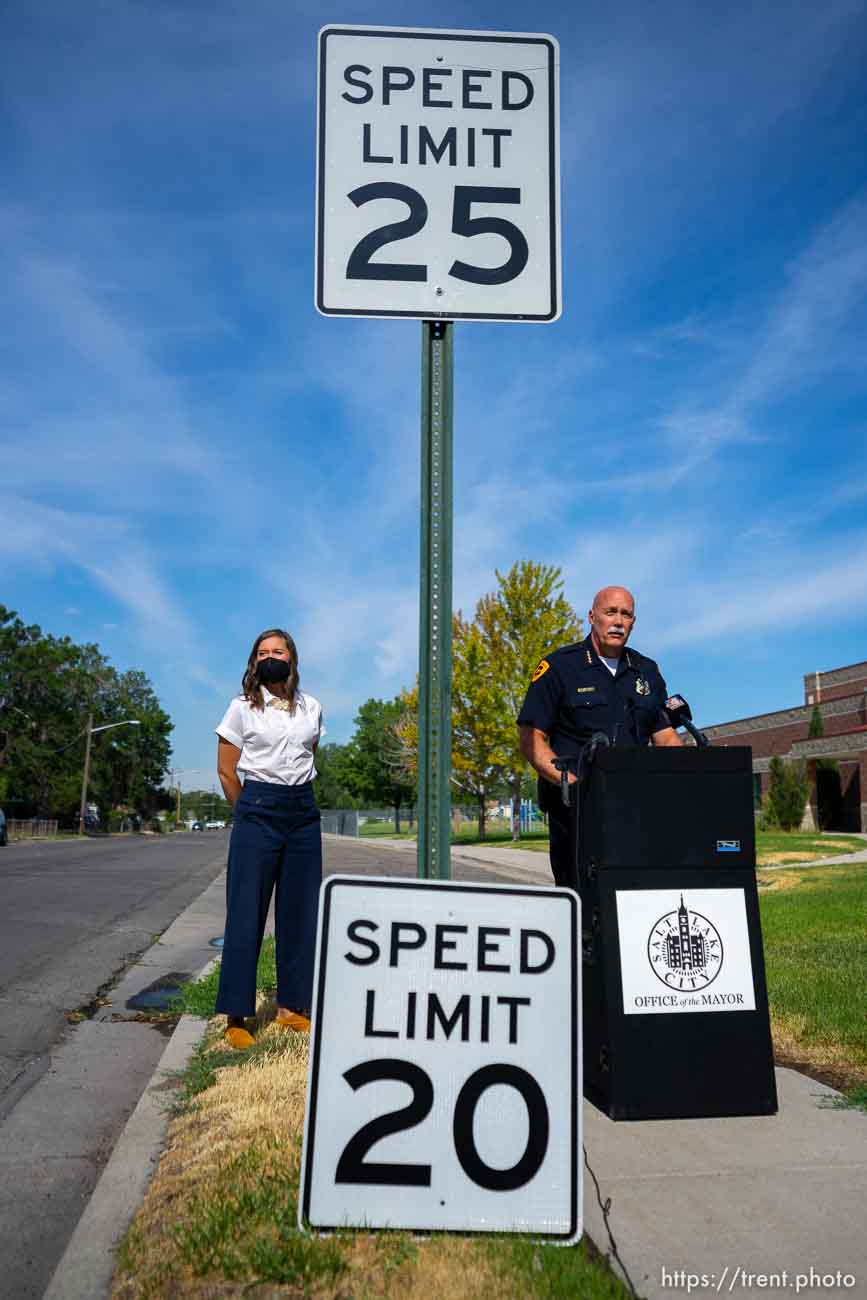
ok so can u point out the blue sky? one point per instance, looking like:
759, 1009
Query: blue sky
189, 453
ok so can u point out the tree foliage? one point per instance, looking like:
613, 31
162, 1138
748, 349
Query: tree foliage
788, 789
372, 766
816, 731
525, 617
203, 806
333, 782
480, 739
493, 658
48, 688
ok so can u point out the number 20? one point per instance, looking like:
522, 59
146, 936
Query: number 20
360, 267
353, 1168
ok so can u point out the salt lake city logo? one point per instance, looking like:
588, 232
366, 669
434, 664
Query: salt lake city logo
685, 950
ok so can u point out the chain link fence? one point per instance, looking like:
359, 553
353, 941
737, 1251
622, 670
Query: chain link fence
349, 821
339, 821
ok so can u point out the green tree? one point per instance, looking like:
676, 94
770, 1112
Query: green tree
524, 618
788, 789
333, 777
817, 724
480, 737
49, 686
372, 767
816, 731
204, 806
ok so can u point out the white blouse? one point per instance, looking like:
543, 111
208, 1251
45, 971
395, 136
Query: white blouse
276, 745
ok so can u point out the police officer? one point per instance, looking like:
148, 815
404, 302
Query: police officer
269, 736
596, 685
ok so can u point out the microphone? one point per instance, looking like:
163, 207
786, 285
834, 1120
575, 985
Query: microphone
578, 765
598, 738
680, 715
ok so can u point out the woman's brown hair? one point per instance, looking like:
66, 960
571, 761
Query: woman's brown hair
251, 688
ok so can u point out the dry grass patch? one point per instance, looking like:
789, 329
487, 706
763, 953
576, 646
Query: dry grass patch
220, 1216
770, 859
771, 882
827, 1061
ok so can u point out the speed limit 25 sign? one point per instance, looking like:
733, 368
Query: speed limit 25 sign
438, 176
445, 1067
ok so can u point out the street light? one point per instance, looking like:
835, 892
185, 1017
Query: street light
91, 731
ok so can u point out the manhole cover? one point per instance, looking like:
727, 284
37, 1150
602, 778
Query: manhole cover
158, 995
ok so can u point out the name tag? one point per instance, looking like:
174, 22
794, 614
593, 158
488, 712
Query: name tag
584, 690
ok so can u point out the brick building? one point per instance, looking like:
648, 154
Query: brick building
838, 796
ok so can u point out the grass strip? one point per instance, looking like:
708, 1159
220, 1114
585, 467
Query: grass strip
219, 1217
198, 997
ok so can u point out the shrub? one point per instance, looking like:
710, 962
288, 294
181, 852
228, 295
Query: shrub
787, 794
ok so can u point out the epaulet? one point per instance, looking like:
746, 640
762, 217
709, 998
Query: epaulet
565, 649
640, 659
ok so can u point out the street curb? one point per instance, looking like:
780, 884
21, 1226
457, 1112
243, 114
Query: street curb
87, 1266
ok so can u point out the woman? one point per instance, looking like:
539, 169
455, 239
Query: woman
269, 734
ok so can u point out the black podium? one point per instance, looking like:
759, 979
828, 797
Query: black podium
674, 997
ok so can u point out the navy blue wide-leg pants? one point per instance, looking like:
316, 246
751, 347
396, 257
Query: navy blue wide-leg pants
275, 840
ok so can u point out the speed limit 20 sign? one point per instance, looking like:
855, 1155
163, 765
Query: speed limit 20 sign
438, 174
445, 1077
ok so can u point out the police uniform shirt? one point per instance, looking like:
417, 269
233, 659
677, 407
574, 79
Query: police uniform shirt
573, 695
277, 744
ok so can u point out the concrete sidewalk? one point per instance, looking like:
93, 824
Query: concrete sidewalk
704, 1207
87, 1265
523, 866
718, 1205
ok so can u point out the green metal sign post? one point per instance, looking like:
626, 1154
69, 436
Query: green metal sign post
485, 246
435, 615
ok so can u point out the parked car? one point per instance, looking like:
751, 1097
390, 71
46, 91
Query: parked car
4, 838
197, 826
215, 826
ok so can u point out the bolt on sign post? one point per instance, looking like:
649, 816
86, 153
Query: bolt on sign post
438, 199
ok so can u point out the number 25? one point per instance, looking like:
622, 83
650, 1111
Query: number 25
360, 267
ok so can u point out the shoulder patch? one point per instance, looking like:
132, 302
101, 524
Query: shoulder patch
540, 669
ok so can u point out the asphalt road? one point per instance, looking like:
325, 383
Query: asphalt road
81, 919
74, 915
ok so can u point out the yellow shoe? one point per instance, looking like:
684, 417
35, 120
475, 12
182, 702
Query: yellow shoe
293, 1020
239, 1038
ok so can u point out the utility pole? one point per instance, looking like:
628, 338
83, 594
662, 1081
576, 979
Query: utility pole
91, 731
175, 775
83, 809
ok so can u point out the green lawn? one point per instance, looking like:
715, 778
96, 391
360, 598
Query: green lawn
814, 925
772, 847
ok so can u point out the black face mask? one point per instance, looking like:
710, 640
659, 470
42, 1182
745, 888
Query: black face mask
273, 670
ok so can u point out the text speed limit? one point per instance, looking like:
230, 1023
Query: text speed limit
438, 175
444, 1079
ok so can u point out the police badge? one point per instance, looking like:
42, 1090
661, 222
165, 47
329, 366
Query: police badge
642, 687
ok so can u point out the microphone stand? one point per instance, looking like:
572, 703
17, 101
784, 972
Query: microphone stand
578, 765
